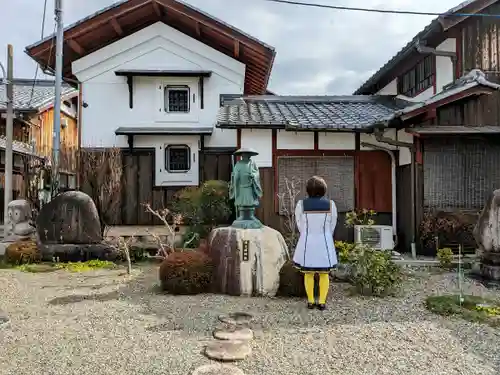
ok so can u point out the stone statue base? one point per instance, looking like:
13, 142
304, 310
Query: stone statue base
490, 266
247, 261
247, 219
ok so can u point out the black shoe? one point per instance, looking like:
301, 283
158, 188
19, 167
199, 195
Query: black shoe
311, 306
321, 307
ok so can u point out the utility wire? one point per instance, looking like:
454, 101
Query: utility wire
387, 11
37, 65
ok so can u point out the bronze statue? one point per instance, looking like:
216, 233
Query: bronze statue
245, 189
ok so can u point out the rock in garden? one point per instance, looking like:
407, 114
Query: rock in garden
247, 261
228, 350
487, 235
237, 318
233, 333
69, 218
487, 230
218, 369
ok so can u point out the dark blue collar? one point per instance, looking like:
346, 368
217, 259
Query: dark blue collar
316, 205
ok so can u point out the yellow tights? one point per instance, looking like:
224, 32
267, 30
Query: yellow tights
324, 285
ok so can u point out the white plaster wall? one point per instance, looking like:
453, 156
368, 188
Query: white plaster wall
336, 141
261, 140
287, 140
404, 153
400, 135
160, 142
370, 138
390, 89
156, 47
444, 65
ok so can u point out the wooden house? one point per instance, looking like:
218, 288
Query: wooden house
178, 91
33, 125
451, 71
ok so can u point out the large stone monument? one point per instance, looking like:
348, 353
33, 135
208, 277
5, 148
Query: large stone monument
68, 228
487, 235
247, 255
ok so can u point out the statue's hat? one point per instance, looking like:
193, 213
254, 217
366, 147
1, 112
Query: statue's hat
246, 150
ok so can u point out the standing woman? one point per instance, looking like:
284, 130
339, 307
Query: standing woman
316, 218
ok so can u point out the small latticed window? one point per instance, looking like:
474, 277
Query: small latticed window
338, 172
177, 158
417, 79
177, 99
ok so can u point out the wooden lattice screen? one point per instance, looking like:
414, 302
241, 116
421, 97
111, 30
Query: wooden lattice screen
338, 172
460, 173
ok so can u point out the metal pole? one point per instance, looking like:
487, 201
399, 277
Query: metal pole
9, 130
58, 11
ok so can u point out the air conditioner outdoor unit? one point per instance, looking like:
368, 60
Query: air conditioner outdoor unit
377, 236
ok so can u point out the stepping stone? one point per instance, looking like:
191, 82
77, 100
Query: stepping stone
237, 318
4, 319
218, 369
228, 350
233, 333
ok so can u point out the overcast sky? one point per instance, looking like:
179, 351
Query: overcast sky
319, 51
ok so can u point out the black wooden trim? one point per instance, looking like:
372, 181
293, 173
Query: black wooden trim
130, 141
202, 97
201, 160
219, 150
163, 73
357, 141
130, 84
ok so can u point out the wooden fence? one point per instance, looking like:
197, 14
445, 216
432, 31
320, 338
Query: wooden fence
136, 184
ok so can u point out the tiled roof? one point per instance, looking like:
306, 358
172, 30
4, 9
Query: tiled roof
470, 80
433, 27
308, 112
31, 97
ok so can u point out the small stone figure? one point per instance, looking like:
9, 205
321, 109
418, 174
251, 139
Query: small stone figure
246, 190
18, 226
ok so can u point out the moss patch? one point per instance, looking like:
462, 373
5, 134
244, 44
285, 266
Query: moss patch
472, 308
71, 266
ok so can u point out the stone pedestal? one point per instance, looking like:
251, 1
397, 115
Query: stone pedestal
247, 261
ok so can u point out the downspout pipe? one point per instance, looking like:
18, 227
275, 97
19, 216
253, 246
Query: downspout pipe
393, 186
422, 48
379, 136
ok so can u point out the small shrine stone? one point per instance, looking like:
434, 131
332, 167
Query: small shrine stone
218, 369
233, 333
237, 318
18, 226
228, 350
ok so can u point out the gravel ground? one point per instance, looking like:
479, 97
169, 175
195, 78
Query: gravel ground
102, 322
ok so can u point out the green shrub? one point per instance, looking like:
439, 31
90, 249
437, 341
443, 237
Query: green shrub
186, 272
373, 271
445, 257
204, 207
291, 281
22, 252
344, 249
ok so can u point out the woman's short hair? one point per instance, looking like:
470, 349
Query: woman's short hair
316, 187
